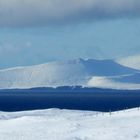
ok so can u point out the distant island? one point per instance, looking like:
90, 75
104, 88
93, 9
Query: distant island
84, 72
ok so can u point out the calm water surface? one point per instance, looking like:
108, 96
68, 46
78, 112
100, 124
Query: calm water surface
95, 101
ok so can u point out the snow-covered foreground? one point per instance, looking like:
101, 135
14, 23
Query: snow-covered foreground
55, 124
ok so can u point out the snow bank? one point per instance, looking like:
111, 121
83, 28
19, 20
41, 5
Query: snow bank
55, 124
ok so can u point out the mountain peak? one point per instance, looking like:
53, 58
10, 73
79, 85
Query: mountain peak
62, 73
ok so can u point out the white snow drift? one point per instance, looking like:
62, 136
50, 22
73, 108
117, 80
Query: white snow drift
90, 72
54, 124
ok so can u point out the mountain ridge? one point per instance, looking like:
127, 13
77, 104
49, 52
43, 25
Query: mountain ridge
63, 73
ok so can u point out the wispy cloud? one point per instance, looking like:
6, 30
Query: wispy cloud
12, 48
44, 12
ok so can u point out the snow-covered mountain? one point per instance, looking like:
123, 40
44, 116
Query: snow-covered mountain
90, 72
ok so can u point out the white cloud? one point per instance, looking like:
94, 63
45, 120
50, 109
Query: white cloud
13, 48
131, 61
107, 82
38, 12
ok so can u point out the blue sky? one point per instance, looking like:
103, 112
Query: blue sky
101, 34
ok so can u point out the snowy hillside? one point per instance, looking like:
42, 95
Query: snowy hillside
70, 73
55, 124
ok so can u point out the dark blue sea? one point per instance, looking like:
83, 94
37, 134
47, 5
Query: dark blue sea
68, 98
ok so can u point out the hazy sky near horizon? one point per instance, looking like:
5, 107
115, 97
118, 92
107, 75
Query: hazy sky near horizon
38, 31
